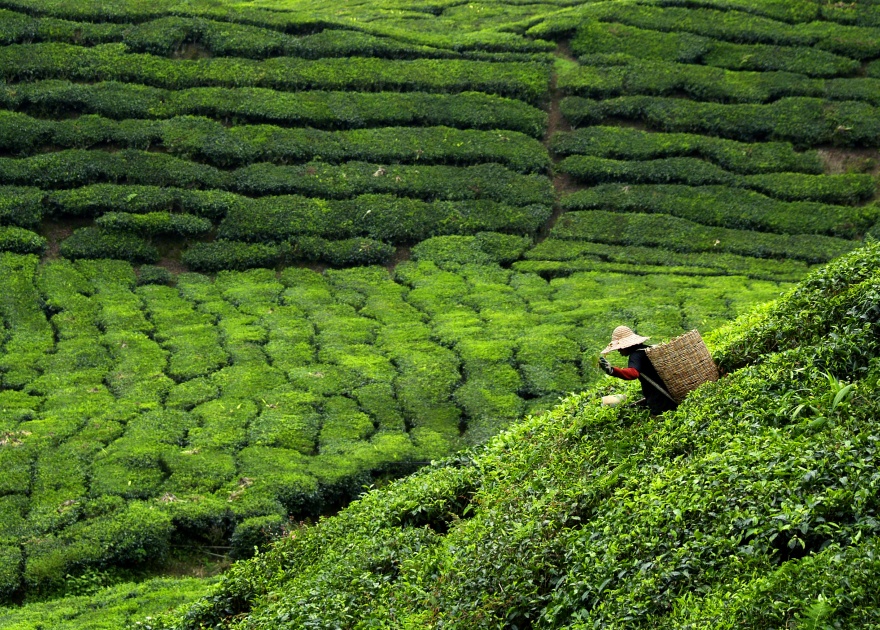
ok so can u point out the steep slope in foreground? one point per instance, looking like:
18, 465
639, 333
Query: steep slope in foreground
755, 505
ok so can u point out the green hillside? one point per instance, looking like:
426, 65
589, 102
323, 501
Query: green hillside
754, 505
258, 256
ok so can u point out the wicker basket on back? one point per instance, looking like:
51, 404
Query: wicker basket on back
684, 363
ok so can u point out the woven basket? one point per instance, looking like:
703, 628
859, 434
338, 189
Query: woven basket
683, 363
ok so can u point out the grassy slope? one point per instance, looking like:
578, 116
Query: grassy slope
752, 506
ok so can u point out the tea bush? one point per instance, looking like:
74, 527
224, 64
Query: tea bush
622, 143
202, 138
382, 217
594, 515
802, 121
676, 46
153, 223
848, 189
682, 235
330, 110
727, 207
103, 243
556, 257
112, 62
21, 241
601, 78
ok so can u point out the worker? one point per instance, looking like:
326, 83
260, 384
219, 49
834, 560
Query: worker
631, 345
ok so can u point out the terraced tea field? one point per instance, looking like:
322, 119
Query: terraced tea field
257, 258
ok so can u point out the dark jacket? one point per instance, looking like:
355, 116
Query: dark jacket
640, 366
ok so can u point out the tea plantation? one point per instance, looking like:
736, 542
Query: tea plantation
260, 257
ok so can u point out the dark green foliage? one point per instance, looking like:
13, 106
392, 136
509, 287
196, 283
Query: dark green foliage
482, 248
256, 533
605, 38
150, 274
10, 570
111, 62
453, 183
223, 254
20, 206
681, 235
556, 257
330, 110
728, 207
384, 217
154, 223
342, 252
803, 60
101, 243
741, 27
19, 241
72, 168
623, 143
208, 140
802, 121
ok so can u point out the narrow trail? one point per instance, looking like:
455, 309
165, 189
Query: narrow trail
562, 183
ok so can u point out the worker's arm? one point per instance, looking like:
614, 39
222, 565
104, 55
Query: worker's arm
627, 374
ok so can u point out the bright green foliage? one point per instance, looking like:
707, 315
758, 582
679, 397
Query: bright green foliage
141, 412
110, 609
747, 507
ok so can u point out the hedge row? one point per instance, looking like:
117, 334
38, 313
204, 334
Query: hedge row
205, 139
682, 235
318, 179
20, 241
383, 217
21, 206
610, 76
609, 38
334, 110
111, 62
482, 248
428, 182
803, 121
225, 254
841, 189
153, 181
169, 35
93, 242
556, 257
155, 223
728, 207
734, 26
624, 143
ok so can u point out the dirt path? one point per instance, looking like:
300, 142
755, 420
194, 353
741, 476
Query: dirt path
563, 184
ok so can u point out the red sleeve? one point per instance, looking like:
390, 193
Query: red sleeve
627, 374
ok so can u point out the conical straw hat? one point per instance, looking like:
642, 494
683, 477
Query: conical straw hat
623, 337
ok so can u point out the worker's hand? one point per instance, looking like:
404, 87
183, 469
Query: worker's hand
605, 366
